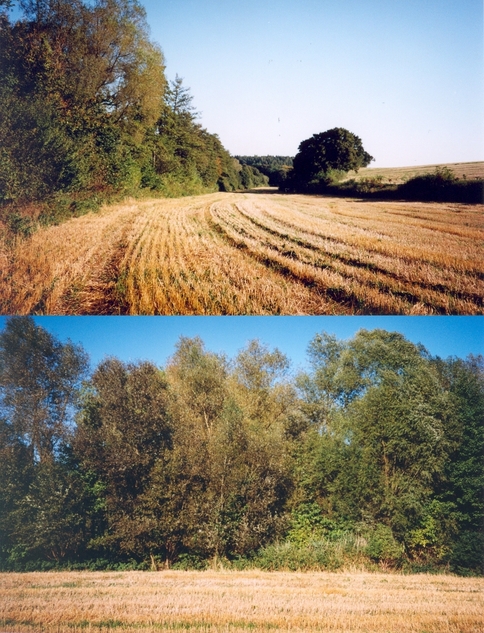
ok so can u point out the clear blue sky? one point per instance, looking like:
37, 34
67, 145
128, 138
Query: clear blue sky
154, 338
404, 75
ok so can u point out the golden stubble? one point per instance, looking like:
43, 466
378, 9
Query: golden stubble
469, 171
252, 253
241, 601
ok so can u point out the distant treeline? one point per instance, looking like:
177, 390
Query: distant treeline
373, 457
87, 113
276, 168
442, 185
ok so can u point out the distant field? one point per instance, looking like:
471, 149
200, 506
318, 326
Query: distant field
252, 253
397, 175
254, 601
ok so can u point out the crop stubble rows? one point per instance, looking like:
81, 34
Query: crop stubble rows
253, 253
238, 601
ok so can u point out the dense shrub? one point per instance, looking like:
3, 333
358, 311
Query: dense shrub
442, 186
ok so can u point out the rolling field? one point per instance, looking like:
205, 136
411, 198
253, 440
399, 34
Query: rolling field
252, 253
397, 175
254, 601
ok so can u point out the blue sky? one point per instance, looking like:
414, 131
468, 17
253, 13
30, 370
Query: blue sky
154, 338
404, 75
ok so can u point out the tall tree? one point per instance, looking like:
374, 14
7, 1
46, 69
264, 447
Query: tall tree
123, 429
462, 489
221, 490
39, 382
382, 425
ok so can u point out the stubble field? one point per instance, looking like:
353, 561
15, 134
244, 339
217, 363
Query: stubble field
252, 253
467, 171
254, 601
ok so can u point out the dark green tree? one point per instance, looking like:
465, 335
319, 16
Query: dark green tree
382, 414
122, 430
462, 489
49, 521
336, 150
276, 168
17, 471
40, 503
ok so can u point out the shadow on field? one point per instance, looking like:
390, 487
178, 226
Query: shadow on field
441, 186
264, 190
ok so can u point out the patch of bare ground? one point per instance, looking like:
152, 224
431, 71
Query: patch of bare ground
252, 253
255, 601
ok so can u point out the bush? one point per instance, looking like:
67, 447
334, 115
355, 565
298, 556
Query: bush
368, 185
20, 225
323, 554
187, 562
382, 546
468, 553
442, 186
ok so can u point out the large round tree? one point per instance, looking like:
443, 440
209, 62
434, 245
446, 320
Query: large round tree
337, 149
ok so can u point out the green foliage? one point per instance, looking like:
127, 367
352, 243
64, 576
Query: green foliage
276, 168
56, 505
382, 546
346, 549
368, 185
432, 539
384, 409
36, 154
80, 84
442, 186
308, 523
324, 155
87, 113
20, 225
372, 458
467, 554
124, 426
187, 562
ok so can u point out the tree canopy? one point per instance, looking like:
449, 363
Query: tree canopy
276, 168
322, 155
87, 111
373, 455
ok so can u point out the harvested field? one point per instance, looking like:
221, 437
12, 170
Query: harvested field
240, 601
397, 175
252, 253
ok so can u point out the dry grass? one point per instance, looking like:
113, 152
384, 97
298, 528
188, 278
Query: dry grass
254, 601
252, 253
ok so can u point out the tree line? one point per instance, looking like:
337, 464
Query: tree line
322, 164
276, 168
86, 111
373, 456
